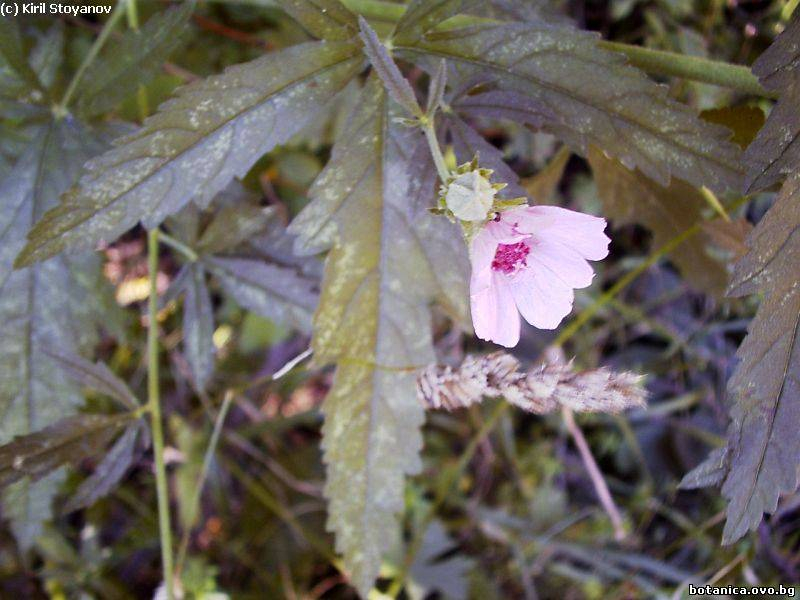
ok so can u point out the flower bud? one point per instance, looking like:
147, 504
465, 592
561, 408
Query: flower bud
470, 196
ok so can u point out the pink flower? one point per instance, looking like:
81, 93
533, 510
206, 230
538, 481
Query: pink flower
528, 260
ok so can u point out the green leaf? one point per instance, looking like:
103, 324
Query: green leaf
234, 224
587, 95
52, 306
198, 326
386, 264
69, 440
108, 473
134, 60
631, 197
12, 50
323, 19
213, 131
48, 54
774, 154
271, 290
96, 376
763, 444
421, 16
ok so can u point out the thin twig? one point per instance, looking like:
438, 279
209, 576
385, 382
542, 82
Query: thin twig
595, 475
201, 480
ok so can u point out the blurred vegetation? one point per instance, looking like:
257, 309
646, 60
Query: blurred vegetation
504, 507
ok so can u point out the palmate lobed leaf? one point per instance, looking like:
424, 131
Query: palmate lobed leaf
69, 440
195, 144
109, 471
386, 263
50, 306
133, 61
759, 462
763, 445
630, 197
586, 95
245, 249
95, 376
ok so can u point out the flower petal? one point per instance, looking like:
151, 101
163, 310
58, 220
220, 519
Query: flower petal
504, 230
494, 314
481, 255
583, 233
543, 299
562, 262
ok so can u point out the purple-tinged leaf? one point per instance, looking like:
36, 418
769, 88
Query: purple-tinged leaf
273, 291
467, 143
198, 326
594, 97
763, 445
55, 305
775, 153
95, 376
394, 82
437, 88
503, 104
712, 471
108, 473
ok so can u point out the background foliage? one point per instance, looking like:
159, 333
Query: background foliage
265, 141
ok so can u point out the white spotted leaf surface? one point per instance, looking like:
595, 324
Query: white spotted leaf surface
387, 261
211, 132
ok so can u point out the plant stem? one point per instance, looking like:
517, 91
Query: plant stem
598, 481
201, 480
170, 241
436, 151
154, 404
659, 62
694, 68
119, 10
153, 390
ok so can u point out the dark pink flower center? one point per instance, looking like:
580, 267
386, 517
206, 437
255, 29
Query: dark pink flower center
510, 258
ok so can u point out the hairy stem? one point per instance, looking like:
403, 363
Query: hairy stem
109, 26
659, 62
154, 404
436, 151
